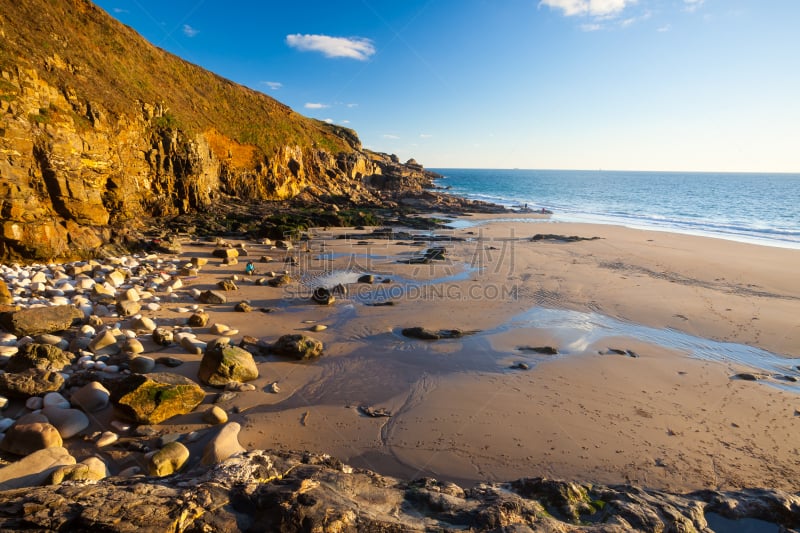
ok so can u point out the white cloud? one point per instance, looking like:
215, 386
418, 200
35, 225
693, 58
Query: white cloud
315, 105
591, 27
352, 47
120, 10
345, 122
328, 120
274, 85
692, 5
189, 31
665, 28
425, 136
594, 8
352, 105
390, 136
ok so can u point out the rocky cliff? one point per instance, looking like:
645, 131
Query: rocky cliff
99, 130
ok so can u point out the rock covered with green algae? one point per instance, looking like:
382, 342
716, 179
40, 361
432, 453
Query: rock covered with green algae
289, 491
153, 398
223, 363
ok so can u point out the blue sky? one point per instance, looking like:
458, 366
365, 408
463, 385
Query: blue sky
707, 85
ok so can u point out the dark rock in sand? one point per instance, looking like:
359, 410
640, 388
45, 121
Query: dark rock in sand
544, 350
367, 278
419, 332
163, 336
374, 412
153, 398
243, 307
37, 320
297, 346
198, 320
223, 363
42, 356
323, 296
227, 285
280, 281
171, 362
560, 238
213, 297
225, 253
30, 382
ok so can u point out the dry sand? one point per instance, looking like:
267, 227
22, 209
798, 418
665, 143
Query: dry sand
664, 419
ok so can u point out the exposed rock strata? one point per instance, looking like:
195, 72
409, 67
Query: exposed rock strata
285, 491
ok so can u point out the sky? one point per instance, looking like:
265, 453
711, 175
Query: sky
678, 85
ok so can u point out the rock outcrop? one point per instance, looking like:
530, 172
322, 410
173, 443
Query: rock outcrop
286, 491
100, 131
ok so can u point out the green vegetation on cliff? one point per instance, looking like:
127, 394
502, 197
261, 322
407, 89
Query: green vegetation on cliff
78, 48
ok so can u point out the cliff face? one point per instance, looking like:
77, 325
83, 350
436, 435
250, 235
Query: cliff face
99, 130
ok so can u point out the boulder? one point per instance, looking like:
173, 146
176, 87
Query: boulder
243, 307
168, 459
213, 297
26, 438
34, 469
92, 397
141, 364
90, 469
163, 336
225, 253
128, 307
323, 296
42, 356
30, 382
153, 398
227, 285
297, 346
68, 422
144, 324
36, 320
133, 346
104, 343
280, 280
223, 363
198, 320
223, 445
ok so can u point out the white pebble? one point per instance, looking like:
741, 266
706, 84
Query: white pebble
120, 426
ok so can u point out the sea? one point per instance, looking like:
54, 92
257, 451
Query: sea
755, 208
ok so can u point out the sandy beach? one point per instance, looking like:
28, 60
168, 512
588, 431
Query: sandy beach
665, 419
685, 313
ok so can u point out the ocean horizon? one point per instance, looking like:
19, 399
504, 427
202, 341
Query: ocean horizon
757, 208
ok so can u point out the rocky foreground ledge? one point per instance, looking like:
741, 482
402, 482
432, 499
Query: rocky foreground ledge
287, 491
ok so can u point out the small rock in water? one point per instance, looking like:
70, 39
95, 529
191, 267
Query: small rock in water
318, 327
273, 387
520, 366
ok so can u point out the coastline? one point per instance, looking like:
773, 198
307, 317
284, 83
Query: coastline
663, 419
627, 397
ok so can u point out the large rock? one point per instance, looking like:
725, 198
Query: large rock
168, 459
68, 422
297, 346
42, 356
23, 439
90, 469
30, 382
223, 363
37, 320
34, 469
213, 297
5, 295
153, 398
223, 445
92, 397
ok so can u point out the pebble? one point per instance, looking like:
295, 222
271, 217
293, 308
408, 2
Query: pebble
273, 387
34, 403
106, 438
68, 422
55, 399
215, 415
318, 327
120, 426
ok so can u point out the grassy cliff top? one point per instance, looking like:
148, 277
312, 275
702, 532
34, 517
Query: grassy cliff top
76, 46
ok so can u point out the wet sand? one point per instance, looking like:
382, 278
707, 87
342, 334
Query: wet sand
667, 418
